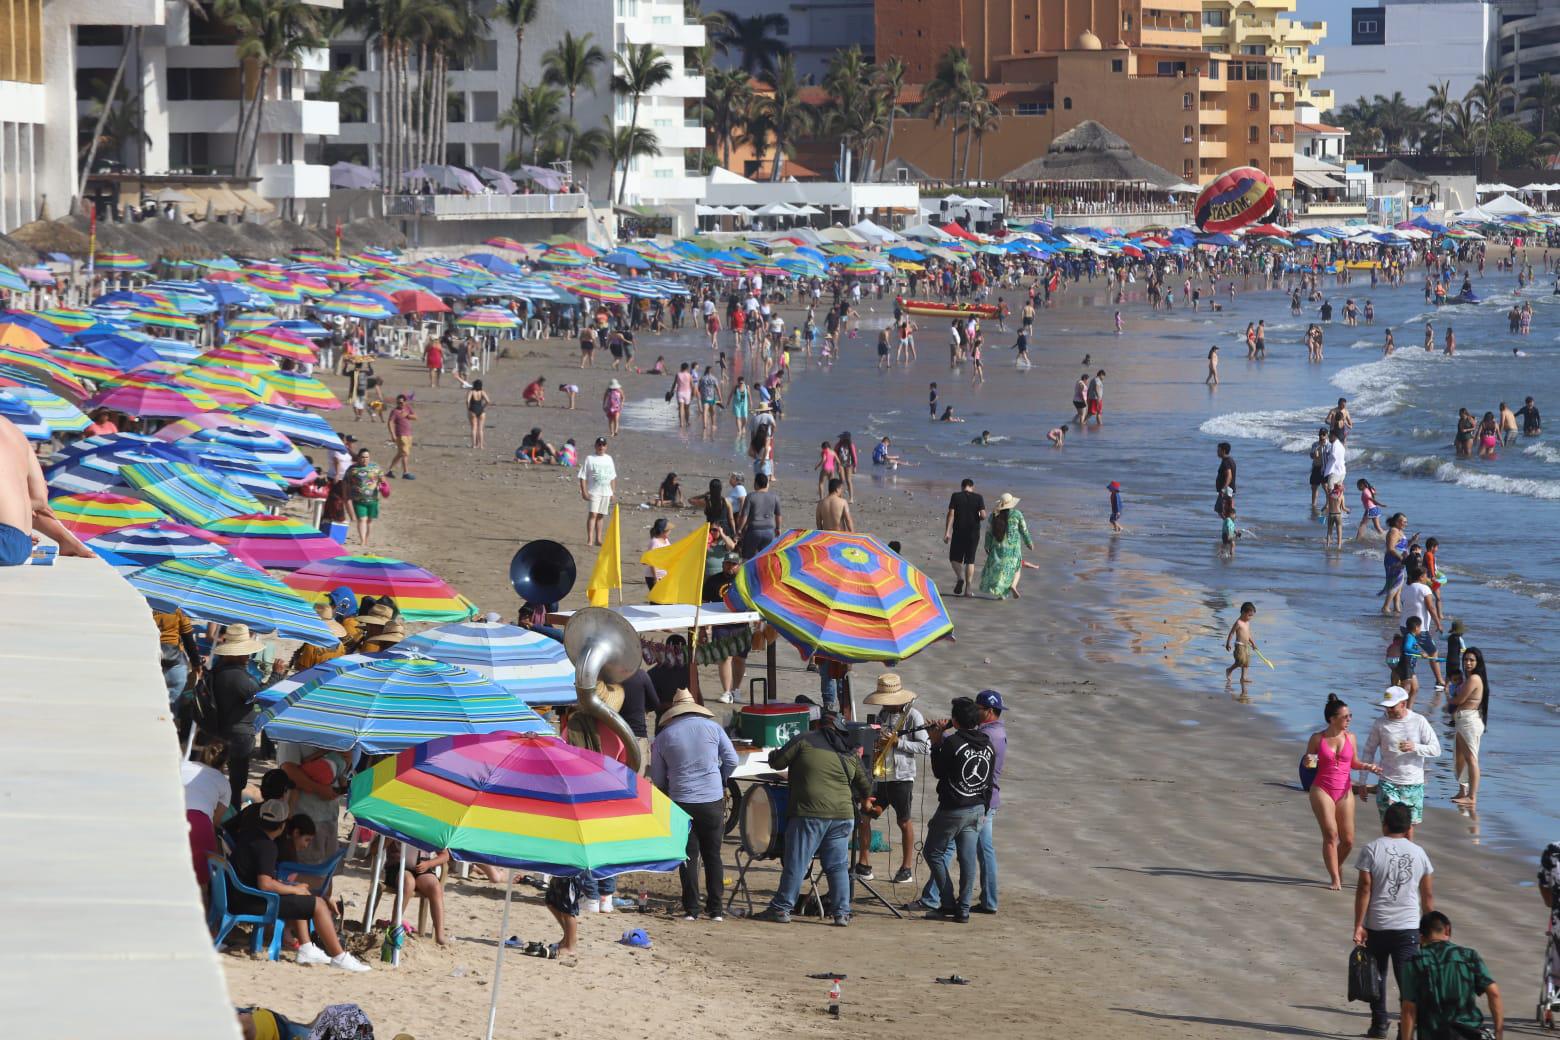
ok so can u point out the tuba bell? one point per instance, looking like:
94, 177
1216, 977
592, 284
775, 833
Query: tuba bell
542, 572
604, 648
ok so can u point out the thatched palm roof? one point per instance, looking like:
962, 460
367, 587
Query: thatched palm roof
369, 231
1091, 152
52, 236
295, 236
226, 240
1398, 170
15, 253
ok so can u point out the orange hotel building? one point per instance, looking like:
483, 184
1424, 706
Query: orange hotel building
1136, 66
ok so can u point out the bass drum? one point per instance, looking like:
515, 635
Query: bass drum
761, 828
733, 806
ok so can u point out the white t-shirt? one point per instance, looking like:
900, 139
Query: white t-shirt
1336, 468
340, 462
735, 495
1396, 866
204, 787
1415, 596
598, 472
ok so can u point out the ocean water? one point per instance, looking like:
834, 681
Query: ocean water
1317, 611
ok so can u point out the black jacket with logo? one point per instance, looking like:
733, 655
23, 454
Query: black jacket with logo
964, 763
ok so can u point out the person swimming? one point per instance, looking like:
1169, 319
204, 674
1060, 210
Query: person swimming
948, 416
984, 439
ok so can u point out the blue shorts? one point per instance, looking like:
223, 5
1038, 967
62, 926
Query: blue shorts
15, 546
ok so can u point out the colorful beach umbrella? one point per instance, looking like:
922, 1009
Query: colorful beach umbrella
279, 542
151, 401
24, 417
295, 424
227, 385
417, 301
388, 704
237, 355
494, 318
420, 595
231, 593
527, 802
93, 513
153, 543
358, 304
108, 261
295, 388
164, 320
58, 414
280, 343
531, 666
194, 494
847, 595
45, 365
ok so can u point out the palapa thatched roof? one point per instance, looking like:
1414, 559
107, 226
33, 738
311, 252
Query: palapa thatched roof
15, 253
52, 236
295, 236
1091, 152
369, 231
1398, 170
181, 240
225, 239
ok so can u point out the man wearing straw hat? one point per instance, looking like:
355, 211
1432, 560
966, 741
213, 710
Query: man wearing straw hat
232, 696
691, 760
901, 737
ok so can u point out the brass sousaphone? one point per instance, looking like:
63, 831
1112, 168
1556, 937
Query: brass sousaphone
604, 648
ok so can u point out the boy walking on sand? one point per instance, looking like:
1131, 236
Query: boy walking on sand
1240, 635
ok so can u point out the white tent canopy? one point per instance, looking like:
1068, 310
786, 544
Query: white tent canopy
1496, 186
927, 233
1506, 206
874, 233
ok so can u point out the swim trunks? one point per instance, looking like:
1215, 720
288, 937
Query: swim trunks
1411, 795
366, 510
1243, 655
15, 546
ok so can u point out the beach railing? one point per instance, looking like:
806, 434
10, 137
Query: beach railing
479, 207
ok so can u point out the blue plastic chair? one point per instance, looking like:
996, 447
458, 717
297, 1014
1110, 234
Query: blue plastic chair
325, 871
221, 920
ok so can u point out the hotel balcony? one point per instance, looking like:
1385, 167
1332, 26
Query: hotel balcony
281, 117
1209, 148
683, 85
294, 181
1210, 115
666, 35
677, 133
487, 207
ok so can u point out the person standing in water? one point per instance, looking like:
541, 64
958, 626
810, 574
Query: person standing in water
1213, 367
1470, 705
1080, 400
1240, 643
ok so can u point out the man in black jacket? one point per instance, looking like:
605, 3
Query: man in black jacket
233, 693
963, 762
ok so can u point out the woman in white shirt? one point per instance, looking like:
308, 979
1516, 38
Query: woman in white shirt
658, 540
205, 803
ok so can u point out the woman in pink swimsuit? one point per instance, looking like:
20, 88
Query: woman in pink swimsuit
1332, 753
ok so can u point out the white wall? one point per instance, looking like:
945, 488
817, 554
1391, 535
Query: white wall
1426, 42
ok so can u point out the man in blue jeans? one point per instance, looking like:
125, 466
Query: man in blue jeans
989, 705
963, 762
827, 783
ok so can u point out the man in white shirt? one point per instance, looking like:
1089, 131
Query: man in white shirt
598, 483
1403, 739
736, 494
1419, 601
1334, 466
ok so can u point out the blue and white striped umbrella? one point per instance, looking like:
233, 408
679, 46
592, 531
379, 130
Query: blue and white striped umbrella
24, 415
531, 666
153, 543
295, 424
229, 594
58, 414
387, 705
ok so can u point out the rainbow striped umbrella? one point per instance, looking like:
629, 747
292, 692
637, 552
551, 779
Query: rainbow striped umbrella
151, 401
24, 416
98, 512
57, 413
231, 593
236, 355
249, 321
295, 424
164, 320
105, 261
524, 801
506, 243
277, 342
531, 666
298, 389
385, 705
227, 386
280, 542
358, 304
153, 543
420, 595
488, 318
277, 290
847, 595
42, 365
194, 494
11, 281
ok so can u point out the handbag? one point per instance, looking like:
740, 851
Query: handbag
1307, 775
1364, 984
384, 488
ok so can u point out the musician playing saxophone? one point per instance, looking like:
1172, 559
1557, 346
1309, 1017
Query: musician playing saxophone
901, 737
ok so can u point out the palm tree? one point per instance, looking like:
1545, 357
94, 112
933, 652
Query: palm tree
1439, 107
1485, 100
641, 68
1396, 119
984, 119
107, 105
888, 79
715, 29
728, 94
945, 96
757, 39
1460, 130
624, 145
848, 114
342, 87
519, 14
572, 65
272, 34
1359, 118
535, 115
1543, 99
789, 117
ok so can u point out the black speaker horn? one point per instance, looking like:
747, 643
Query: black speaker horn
542, 571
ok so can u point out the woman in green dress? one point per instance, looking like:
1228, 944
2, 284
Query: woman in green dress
1006, 539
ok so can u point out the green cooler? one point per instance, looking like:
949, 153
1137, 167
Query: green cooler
774, 724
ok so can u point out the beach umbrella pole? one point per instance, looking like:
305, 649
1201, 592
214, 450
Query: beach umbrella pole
373, 887
498, 964
400, 909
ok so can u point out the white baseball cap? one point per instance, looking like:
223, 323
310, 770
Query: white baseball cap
1394, 696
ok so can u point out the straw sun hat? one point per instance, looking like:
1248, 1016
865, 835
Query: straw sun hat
684, 704
889, 692
1007, 501
237, 641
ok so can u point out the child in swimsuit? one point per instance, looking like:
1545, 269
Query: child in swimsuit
1371, 505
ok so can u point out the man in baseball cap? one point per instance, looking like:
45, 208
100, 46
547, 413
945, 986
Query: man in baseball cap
1404, 739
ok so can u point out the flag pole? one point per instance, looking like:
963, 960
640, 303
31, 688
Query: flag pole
698, 605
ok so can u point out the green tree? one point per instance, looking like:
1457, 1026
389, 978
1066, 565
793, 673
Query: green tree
789, 117
945, 99
1511, 145
849, 113
272, 34
1486, 102
888, 80
641, 68
342, 87
756, 39
535, 115
1543, 100
728, 95
572, 66
624, 145
1397, 121
984, 118
1438, 108
519, 14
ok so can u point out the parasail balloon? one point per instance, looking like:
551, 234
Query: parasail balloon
1234, 199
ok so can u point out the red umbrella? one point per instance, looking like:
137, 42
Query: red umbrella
416, 301
1271, 230
958, 232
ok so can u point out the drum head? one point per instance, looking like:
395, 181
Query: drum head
758, 829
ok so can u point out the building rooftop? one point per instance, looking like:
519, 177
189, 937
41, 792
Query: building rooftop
105, 935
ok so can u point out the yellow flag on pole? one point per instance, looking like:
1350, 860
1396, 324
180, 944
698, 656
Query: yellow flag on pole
607, 574
683, 562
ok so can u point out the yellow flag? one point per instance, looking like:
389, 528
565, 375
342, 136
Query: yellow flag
683, 562
607, 574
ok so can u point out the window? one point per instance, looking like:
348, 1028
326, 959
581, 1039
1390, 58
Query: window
1251, 135
1237, 71
100, 35
189, 152
1031, 108
455, 154
1116, 65
1067, 103
1253, 101
1186, 135
1186, 168
1216, 19
1213, 70
287, 149
902, 175
1172, 68
486, 58
484, 106
1253, 48
349, 57
485, 155
202, 84
455, 108
1186, 100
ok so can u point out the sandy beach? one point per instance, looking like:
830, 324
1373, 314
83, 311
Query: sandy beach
1160, 870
